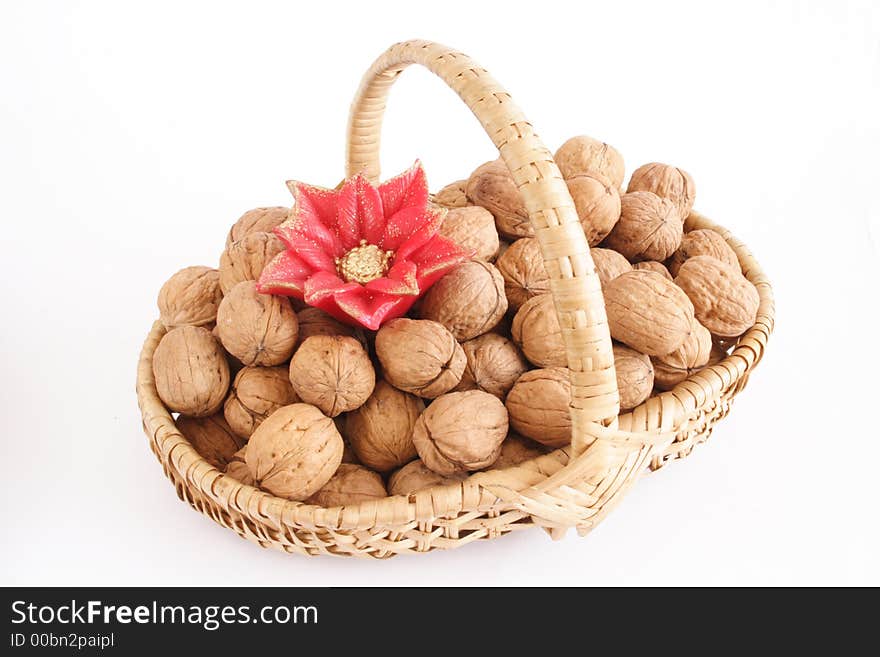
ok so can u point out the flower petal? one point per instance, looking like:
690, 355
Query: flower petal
370, 212
409, 189
400, 280
316, 202
436, 258
423, 229
311, 240
371, 309
323, 285
348, 223
285, 274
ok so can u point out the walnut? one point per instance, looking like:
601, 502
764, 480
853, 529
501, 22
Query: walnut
419, 356
653, 265
724, 300
211, 437
294, 452
416, 476
352, 484
522, 267
690, 357
538, 405
314, 321
609, 264
491, 186
649, 227
348, 455
192, 375
472, 228
256, 393
597, 204
380, 431
703, 242
536, 331
515, 450
635, 376
238, 470
461, 431
258, 220
190, 298
666, 182
244, 260
454, 195
258, 329
648, 313
469, 300
585, 155
333, 372
493, 365
235, 365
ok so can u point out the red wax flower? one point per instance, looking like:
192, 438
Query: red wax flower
363, 254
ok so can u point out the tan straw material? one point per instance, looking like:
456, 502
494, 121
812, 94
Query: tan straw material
572, 487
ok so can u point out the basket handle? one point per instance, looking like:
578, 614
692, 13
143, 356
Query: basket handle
573, 280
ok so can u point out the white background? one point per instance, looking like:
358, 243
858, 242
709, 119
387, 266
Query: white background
133, 135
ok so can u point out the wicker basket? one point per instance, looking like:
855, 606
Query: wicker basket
571, 487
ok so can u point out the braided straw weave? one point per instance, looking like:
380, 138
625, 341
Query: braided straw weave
571, 487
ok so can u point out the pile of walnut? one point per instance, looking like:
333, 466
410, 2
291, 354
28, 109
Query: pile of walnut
283, 397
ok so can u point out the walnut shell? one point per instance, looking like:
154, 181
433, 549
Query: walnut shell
454, 195
515, 450
585, 155
348, 455
653, 265
333, 372
245, 259
635, 376
380, 431
538, 405
648, 313
693, 355
416, 476
597, 204
472, 228
666, 182
469, 300
461, 431
211, 437
609, 264
703, 242
352, 484
314, 321
724, 300
493, 365
258, 329
419, 356
238, 470
491, 186
649, 228
294, 452
256, 393
235, 365
258, 220
522, 267
190, 298
192, 375
536, 331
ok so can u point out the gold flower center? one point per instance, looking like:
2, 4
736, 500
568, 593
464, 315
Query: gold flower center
364, 263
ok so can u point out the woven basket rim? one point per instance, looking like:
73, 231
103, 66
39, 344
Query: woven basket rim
744, 356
